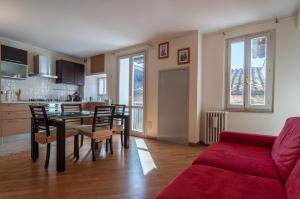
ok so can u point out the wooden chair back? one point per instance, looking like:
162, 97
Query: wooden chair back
40, 118
103, 117
119, 110
72, 108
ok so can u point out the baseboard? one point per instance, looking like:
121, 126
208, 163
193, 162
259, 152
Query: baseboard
202, 143
189, 144
194, 144
151, 137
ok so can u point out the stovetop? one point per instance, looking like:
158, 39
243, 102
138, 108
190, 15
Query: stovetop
46, 100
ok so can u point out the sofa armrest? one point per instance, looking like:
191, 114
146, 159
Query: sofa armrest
248, 139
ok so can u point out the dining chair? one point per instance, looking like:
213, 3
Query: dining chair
45, 134
73, 124
101, 130
118, 123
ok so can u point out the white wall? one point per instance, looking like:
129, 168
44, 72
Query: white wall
298, 19
191, 41
153, 66
91, 87
286, 79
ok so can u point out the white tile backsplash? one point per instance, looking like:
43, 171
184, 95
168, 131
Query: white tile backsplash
38, 88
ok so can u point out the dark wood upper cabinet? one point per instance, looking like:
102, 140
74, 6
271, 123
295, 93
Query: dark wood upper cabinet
14, 55
97, 64
69, 72
79, 74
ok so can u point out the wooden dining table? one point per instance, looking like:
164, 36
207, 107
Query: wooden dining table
57, 119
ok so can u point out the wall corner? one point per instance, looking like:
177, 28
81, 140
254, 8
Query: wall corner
298, 20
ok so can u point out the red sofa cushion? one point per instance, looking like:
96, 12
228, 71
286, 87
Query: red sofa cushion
241, 158
206, 182
248, 139
292, 184
286, 148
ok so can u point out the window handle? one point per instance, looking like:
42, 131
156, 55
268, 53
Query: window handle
247, 80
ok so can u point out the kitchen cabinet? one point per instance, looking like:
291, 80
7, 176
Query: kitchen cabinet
69, 72
79, 74
14, 119
97, 64
13, 70
65, 72
14, 55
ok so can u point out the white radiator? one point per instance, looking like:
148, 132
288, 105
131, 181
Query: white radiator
215, 122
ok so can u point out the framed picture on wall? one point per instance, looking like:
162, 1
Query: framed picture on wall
183, 56
163, 50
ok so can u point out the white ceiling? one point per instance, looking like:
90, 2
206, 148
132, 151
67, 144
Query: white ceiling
87, 27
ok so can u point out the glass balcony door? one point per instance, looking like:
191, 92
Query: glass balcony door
131, 89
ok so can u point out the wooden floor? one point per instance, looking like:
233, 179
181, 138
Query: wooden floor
138, 172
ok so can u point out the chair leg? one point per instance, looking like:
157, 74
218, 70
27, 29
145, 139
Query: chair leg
106, 145
76, 147
111, 146
93, 149
122, 138
35, 151
47, 155
35, 146
81, 141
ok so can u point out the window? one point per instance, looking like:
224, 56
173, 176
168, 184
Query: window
250, 72
102, 89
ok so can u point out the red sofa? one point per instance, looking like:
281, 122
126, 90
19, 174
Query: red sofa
243, 166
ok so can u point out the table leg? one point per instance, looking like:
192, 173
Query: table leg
34, 145
60, 145
126, 131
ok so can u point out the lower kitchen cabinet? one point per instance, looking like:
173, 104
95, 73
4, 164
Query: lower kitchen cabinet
14, 119
16, 126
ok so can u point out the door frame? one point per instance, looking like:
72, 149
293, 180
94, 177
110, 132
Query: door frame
130, 55
187, 68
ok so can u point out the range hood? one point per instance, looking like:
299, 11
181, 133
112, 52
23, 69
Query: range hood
42, 67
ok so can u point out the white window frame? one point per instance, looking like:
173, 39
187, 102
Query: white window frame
269, 90
102, 95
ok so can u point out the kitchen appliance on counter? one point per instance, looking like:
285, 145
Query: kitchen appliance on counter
69, 98
76, 97
8, 95
52, 104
